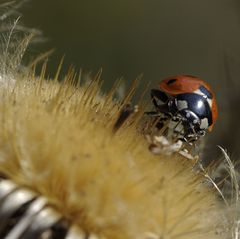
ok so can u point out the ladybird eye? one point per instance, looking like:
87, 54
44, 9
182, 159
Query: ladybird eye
170, 82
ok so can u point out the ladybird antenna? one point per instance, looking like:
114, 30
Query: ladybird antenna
177, 132
177, 124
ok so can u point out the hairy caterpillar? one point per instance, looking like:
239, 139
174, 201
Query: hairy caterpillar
57, 146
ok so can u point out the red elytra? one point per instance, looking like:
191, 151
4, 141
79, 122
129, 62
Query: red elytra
188, 84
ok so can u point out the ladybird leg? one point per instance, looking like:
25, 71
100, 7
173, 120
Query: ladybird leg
158, 119
188, 138
157, 115
201, 133
194, 134
191, 137
181, 136
165, 110
178, 123
188, 134
177, 118
161, 102
158, 95
162, 111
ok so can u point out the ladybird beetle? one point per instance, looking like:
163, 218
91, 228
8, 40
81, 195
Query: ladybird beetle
189, 100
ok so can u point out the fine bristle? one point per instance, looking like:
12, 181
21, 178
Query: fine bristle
57, 140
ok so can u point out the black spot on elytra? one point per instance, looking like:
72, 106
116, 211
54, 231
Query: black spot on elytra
170, 82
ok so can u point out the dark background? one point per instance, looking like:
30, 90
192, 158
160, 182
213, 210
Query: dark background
158, 38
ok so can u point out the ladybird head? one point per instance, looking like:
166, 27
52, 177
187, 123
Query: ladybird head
182, 84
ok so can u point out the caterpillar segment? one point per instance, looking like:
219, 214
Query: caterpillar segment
25, 215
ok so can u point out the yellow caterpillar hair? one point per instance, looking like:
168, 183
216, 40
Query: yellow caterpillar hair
57, 141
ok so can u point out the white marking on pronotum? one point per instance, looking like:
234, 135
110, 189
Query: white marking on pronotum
182, 104
209, 102
204, 123
199, 92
